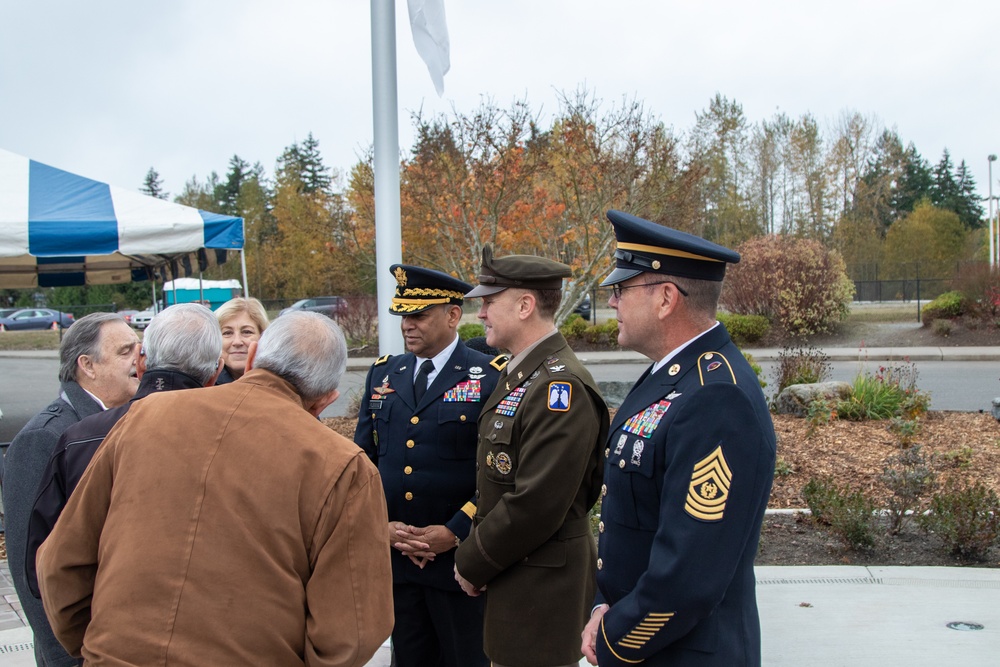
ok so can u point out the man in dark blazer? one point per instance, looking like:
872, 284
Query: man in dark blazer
417, 422
97, 359
690, 461
540, 460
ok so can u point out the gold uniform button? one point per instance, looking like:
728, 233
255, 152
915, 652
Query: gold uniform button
409, 495
600, 526
407, 470
621, 464
461, 418
600, 564
410, 444
708, 357
414, 419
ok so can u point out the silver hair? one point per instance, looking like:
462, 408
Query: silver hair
83, 338
306, 349
186, 338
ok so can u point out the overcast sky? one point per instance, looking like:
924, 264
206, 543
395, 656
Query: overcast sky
109, 88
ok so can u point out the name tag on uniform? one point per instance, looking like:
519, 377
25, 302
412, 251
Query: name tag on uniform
375, 405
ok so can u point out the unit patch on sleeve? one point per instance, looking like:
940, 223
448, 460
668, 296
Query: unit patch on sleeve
645, 422
464, 392
709, 488
560, 395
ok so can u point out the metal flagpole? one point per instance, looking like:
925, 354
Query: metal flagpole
990, 159
388, 238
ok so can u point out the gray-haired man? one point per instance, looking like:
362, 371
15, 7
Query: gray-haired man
97, 371
181, 349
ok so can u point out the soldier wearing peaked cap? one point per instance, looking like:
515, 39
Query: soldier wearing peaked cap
690, 460
417, 422
541, 437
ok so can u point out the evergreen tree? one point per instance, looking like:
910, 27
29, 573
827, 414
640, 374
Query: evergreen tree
227, 192
153, 185
916, 184
967, 205
304, 164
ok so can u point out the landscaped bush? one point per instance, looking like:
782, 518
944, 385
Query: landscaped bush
573, 327
909, 479
800, 286
745, 329
849, 514
889, 392
801, 366
471, 330
980, 285
947, 306
967, 519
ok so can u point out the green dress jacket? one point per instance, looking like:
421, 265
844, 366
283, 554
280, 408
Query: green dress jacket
540, 461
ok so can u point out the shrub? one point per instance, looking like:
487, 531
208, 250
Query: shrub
980, 285
947, 306
758, 371
942, 328
908, 478
574, 327
800, 286
471, 330
820, 412
890, 392
801, 366
966, 519
782, 467
849, 514
745, 329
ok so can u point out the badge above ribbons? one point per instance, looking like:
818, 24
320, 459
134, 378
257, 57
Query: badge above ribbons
709, 488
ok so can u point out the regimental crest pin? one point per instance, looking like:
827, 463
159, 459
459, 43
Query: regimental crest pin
709, 487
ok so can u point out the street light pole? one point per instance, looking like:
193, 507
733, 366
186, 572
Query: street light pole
993, 255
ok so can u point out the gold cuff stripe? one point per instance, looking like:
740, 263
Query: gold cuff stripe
469, 510
604, 634
645, 630
665, 251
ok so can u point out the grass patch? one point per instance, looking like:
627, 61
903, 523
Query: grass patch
29, 340
875, 313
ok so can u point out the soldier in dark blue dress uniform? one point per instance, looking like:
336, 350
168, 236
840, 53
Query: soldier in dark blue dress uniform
417, 422
690, 461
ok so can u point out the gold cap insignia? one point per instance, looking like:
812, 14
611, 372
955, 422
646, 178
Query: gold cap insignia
400, 276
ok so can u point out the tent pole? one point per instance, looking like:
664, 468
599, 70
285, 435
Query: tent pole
243, 265
153, 283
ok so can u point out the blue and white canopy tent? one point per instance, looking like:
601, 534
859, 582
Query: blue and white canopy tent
57, 228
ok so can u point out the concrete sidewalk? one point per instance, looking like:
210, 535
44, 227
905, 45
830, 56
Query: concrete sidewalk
833, 616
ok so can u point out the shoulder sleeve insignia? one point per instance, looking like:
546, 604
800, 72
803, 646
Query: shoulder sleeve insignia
713, 367
709, 488
560, 395
500, 361
382, 360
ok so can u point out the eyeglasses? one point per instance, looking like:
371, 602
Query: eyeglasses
617, 290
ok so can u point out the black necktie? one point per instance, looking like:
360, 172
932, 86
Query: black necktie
420, 383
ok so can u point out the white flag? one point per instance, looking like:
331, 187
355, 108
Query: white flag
430, 36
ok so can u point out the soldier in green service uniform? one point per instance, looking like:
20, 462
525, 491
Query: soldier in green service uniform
539, 469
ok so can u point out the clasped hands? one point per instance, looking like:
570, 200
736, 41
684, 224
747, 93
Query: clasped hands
420, 544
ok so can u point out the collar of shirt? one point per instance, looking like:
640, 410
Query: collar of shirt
520, 356
99, 401
439, 360
673, 353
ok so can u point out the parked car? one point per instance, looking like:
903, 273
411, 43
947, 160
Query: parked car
141, 319
583, 309
6, 312
331, 306
128, 314
36, 318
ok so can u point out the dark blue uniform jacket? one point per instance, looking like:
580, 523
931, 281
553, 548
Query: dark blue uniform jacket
426, 453
690, 462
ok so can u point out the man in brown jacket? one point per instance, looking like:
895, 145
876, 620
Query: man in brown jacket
540, 461
227, 525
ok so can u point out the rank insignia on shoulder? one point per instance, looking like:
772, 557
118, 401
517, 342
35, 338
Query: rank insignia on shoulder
500, 361
382, 360
560, 395
557, 368
709, 488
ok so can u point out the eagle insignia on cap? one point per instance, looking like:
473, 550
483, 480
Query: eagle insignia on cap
400, 276
709, 487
